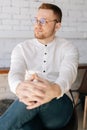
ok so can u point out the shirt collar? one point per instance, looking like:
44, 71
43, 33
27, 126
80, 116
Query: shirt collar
48, 45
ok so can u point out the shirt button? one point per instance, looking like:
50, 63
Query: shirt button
44, 61
45, 45
45, 53
44, 71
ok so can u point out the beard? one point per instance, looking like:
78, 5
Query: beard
39, 35
44, 35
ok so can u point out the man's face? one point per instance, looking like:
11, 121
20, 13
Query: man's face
47, 30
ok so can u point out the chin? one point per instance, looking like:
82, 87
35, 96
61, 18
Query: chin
39, 36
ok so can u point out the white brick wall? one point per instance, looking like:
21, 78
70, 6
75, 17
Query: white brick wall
15, 22
15, 17
4, 88
16, 26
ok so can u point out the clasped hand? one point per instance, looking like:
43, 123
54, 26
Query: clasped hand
36, 91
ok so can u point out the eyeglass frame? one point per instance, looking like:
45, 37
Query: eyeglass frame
44, 21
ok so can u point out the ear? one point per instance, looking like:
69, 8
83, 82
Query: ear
57, 26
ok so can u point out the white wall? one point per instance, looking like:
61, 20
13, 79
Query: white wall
15, 17
15, 23
16, 26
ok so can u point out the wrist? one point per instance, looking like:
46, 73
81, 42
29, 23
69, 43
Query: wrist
57, 90
17, 88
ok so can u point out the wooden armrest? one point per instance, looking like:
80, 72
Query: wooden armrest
82, 66
4, 70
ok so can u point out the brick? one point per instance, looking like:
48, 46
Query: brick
11, 10
20, 3
77, 1
5, 27
21, 16
0, 9
5, 2
5, 16
26, 22
24, 28
85, 14
10, 22
47, 1
82, 28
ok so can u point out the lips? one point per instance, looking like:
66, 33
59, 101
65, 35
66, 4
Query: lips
38, 30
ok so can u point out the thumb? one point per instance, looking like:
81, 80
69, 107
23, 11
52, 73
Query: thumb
32, 77
38, 78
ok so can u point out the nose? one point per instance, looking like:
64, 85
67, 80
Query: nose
38, 23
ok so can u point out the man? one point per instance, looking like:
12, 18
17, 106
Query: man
41, 73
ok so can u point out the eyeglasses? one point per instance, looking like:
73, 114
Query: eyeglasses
43, 21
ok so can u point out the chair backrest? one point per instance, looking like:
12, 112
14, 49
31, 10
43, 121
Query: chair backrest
83, 87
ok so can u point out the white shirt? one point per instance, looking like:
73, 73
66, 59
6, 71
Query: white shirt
57, 62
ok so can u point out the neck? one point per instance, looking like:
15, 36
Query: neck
46, 40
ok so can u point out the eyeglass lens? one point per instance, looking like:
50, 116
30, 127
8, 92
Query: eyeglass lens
41, 21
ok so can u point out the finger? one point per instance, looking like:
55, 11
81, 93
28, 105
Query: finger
32, 77
31, 103
19, 95
26, 101
32, 98
33, 91
40, 85
33, 106
36, 98
38, 91
38, 78
31, 94
35, 88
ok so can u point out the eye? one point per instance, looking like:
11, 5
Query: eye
42, 21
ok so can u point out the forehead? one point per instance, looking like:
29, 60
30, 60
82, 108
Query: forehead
45, 13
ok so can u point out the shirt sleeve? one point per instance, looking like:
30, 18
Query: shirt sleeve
17, 68
68, 68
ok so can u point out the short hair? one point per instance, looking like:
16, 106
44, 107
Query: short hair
57, 11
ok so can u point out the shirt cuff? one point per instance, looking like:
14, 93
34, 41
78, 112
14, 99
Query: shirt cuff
63, 87
14, 86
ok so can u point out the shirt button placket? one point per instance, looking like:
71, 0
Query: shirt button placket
45, 59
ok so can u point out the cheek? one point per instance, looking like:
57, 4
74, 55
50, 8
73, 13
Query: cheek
47, 28
50, 29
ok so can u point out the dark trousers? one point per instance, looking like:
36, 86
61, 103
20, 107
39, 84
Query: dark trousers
54, 114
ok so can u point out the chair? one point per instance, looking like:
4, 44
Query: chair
83, 91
